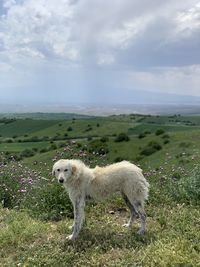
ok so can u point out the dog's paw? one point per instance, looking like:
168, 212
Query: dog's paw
70, 238
126, 225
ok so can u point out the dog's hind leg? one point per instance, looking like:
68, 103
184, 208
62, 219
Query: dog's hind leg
133, 212
139, 206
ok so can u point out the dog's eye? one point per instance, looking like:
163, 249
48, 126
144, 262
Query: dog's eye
58, 170
66, 170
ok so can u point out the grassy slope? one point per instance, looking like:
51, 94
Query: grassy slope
22, 127
80, 128
172, 240
18, 147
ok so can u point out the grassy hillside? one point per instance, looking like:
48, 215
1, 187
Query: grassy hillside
35, 211
24, 127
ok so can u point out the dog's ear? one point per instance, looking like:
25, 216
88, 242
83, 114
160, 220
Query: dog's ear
73, 169
53, 171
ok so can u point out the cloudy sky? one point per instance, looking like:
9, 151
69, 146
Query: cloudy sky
72, 51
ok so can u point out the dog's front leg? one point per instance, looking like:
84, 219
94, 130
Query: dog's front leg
79, 204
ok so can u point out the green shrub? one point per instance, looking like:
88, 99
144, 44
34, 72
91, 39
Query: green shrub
189, 186
27, 153
9, 192
22, 188
88, 129
104, 139
49, 202
141, 135
43, 150
96, 146
165, 136
151, 148
69, 129
155, 145
166, 141
147, 151
122, 137
53, 147
159, 132
16, 183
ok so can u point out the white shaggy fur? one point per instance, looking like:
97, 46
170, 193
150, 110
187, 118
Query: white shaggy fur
81, 181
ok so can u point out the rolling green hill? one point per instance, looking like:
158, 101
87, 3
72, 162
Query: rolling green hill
24, 127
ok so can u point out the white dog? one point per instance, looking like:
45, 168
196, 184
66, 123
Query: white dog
81, 181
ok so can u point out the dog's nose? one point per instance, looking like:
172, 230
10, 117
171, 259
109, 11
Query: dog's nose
61, 180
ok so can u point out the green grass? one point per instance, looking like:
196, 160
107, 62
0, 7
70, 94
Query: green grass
18, 147
141, 128
24, 127
85, 128
172, 239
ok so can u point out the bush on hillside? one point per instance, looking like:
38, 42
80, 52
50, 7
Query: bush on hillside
151, 148
9, 141
122, 137
155, 145
22, 188
69, 129
43, 150
104, 139
141, 135
166, 141
27, 153
159, 132
147, 151
49, 202
96, 146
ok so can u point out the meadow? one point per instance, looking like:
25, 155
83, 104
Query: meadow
35, 211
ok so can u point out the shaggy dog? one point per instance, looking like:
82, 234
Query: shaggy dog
81, 181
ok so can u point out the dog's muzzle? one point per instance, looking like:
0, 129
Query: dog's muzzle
61, 180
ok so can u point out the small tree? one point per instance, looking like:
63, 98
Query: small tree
122, 137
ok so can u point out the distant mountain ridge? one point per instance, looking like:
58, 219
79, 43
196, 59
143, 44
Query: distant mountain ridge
143, 102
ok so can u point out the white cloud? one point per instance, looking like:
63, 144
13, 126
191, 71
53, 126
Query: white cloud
105, 59
156, 41
5, 67
38, 27
189, 20
8, 3
182, 80
83, 30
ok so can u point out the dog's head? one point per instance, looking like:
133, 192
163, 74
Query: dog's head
64, 170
